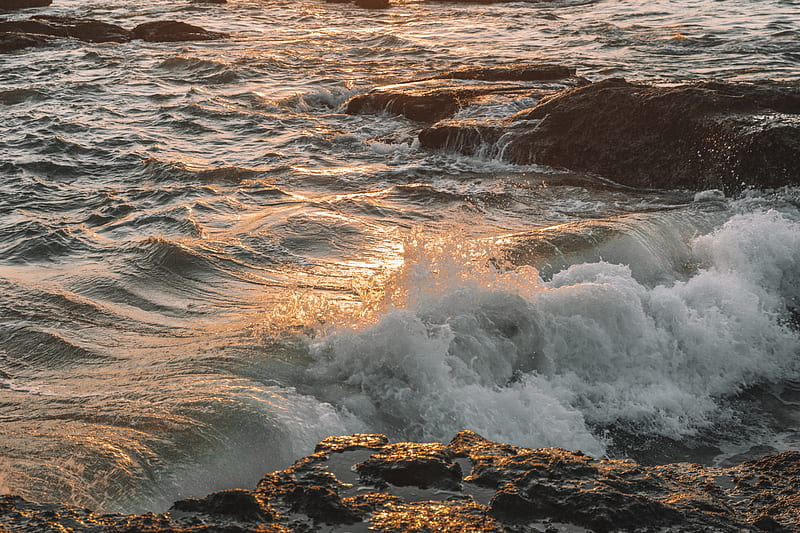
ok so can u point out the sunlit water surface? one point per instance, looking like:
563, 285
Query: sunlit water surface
206, 267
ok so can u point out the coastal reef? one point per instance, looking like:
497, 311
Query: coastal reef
363, 482
696, 135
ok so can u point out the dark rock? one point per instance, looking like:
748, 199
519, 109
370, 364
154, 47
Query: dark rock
420, 465
86, 30
36, 27
600, 508
10, 42
516, 72
699, 136
92, 31
173, 31
309, 491
420, 103
373, 4
526, 489
433, 99
237, 503
767, 523
467, 136
22, 4
694, 137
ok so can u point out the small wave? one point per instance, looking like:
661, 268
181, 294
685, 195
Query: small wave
29, 348
174, 257
175, 221
193, 64
178, 171
328, 98
461, 344
32, 241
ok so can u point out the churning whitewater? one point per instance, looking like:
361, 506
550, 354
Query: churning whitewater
207, 266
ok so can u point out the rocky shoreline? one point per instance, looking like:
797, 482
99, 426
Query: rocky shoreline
697, 135
365, 483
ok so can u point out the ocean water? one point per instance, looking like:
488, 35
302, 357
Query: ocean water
206, 266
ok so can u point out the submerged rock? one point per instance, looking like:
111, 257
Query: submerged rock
364, 483
10, 42
373, 4
95, 31
440, 97
22, 4
173, 31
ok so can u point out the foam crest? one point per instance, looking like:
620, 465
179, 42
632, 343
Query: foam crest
460, 344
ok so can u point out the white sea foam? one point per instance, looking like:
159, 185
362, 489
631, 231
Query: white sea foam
461, 345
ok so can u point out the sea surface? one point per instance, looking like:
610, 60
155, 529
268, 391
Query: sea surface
206, 266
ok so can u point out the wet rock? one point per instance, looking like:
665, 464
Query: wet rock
173, 31
455, 516
698, 136
35, 27
529, 490
84, 29
22, 4
467, 136
93, 31
420, 465
515, 72
10, 42
693, 136
373, 4
310, 491
238, 503
433, 99
351, 442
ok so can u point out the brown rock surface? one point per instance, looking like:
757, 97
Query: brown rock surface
499, 488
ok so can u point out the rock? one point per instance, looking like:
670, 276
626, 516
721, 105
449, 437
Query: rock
352, 442
10, 42
22, 4
515, 72
35, 27
310, 491
420, 465
509, 489
373, 4
93, 31
173, 31
84, 29
433, 99
691, 136
697, 136
238, 503
467, 136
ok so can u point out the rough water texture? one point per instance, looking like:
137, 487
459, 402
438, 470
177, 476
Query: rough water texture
363, 483
203, 255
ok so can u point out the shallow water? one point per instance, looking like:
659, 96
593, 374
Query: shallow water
206, 267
